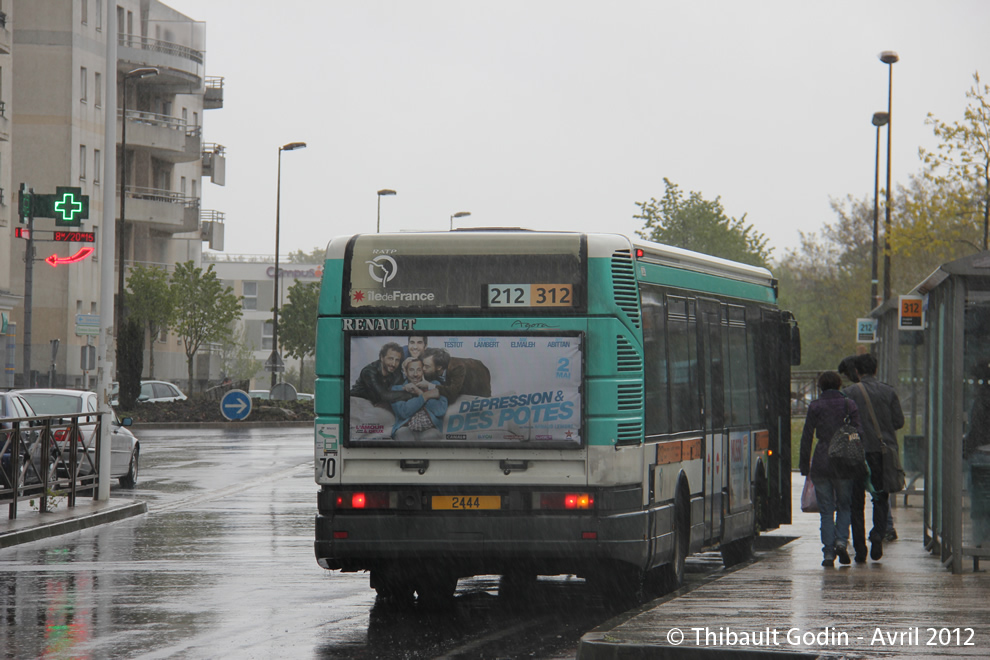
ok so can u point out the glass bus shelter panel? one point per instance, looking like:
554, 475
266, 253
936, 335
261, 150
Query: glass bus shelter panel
976, 426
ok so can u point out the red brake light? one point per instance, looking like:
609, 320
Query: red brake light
60, 435
640, 253
362, 500
570, 501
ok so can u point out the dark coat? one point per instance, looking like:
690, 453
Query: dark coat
465, 376
825, 416
887, 407
376, 387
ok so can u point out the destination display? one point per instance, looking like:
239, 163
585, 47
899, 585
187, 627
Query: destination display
438, 390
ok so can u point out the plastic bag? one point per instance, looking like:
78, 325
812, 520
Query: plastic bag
809, 501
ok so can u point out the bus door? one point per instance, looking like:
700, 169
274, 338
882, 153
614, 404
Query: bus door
710, 358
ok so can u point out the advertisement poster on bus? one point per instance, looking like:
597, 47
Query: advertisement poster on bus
465, 390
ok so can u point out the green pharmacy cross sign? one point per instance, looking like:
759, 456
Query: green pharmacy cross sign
68, 206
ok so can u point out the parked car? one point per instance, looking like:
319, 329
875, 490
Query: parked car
259, 394
303, 396
152, 391
12, 406
125, 450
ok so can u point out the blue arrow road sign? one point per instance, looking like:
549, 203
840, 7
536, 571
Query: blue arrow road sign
235, 405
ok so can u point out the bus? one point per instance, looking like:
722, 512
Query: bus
523, 403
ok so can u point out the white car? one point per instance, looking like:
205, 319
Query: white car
125, 450
152, 391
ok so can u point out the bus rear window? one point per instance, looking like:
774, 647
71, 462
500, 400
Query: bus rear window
506, 272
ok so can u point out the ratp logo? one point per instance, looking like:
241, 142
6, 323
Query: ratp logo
382, 269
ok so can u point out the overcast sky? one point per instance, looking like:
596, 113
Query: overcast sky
562, 114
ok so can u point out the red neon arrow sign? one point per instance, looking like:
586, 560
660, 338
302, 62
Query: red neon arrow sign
55, 260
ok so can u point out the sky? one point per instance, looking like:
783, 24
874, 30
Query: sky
563, 114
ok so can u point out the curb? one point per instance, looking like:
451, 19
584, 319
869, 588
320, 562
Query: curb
153, 426
110, 514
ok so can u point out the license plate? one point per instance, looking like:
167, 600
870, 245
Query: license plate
467, 502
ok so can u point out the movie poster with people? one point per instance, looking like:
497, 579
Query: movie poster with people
465, 389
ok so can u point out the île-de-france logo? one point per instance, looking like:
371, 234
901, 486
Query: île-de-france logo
382, 269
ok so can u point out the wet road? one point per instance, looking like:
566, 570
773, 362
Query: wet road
222, 566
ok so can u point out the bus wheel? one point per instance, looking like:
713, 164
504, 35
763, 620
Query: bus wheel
436, 589
673, 572
736, 552
392, 586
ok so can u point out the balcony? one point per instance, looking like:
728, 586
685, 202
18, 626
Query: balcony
161, 210
4, 35
211, 229
178, 65
169, 138
213, 98
215, 162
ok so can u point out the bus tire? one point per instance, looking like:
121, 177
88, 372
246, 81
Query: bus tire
673, 572
761, 502
392, 587
435, 589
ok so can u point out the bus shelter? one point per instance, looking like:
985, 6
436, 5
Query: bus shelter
955, 378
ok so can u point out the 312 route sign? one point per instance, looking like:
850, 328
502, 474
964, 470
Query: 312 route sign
910, 314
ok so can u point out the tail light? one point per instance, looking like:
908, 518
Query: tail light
61, 435
567, 501
362, 500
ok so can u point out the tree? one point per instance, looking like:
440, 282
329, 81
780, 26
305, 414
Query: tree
297, 323
150, 303
701, 225
237, 357
204, 309
315, 256
958, 201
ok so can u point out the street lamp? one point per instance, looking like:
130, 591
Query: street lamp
383, 191
134, 74
879, 119
888, 57
459, 214
278, 205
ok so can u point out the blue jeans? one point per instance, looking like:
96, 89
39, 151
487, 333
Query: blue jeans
835, 507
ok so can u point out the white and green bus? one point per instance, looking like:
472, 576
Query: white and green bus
524, 403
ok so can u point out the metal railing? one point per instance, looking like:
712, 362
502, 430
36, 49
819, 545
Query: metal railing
210, 215
45, 458
214, 148
160, 195
214, 82
159, 46
162, 121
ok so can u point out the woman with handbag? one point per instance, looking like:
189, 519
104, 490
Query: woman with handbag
833, 480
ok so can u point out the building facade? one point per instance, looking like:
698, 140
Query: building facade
60, 84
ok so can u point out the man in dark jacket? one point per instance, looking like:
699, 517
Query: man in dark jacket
888, 416
376, 380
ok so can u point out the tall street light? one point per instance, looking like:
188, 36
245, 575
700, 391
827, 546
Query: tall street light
278, 205
381, 193
879, 119
888, 57
459, 214
134, 74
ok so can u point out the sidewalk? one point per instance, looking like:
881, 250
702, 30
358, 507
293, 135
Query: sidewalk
787, 605
30, 525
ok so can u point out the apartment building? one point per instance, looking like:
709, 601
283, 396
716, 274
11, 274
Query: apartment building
59, 86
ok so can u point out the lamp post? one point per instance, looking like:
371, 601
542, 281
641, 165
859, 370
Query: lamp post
459, 214
278, 205
879, 119
382, 192
888, 57
134, 74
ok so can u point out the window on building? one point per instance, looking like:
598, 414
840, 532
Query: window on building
99, 15
266, 336
85, 12
97, 166
250, 297
82, 84
82, 162
98, 90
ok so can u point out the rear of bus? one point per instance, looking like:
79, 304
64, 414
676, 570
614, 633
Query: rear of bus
496, 450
